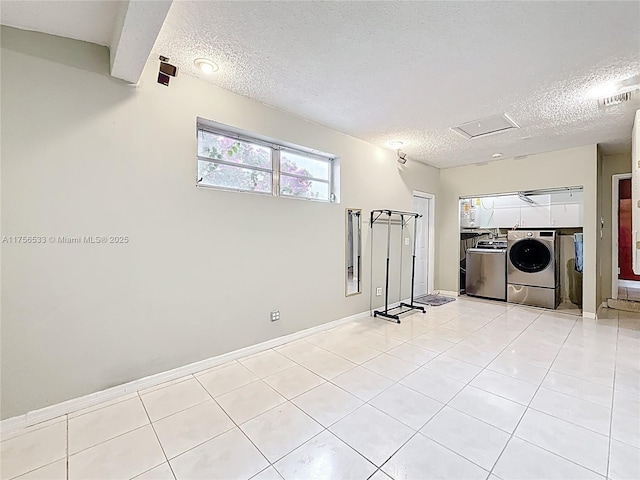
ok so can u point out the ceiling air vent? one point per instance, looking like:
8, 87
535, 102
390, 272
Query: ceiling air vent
616, 99
485, 126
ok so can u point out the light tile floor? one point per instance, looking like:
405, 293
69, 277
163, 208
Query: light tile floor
470, 389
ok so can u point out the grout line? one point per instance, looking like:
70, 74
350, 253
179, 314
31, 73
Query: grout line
237, 425
529, 407
157, 438
613, 397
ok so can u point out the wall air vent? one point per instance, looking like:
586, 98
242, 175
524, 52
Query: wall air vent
485, 126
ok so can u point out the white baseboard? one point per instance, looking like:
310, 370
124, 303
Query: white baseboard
448, 293
12, 424
590, 315
629, 283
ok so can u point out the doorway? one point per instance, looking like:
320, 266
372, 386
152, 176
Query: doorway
424, 204
625, 285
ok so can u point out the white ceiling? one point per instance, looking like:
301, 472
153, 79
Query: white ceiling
383, 71
89, 21
406, 71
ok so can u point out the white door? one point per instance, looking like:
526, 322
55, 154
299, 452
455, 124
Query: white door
420, 284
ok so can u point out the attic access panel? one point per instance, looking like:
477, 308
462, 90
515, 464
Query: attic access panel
485, 126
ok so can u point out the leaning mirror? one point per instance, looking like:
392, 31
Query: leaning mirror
353, 252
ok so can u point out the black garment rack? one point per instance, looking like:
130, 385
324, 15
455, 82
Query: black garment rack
405, 218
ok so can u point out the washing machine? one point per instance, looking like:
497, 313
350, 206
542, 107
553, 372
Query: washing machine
533, 271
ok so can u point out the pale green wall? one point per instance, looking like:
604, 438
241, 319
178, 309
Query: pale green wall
85, 154
572, 167
611, 165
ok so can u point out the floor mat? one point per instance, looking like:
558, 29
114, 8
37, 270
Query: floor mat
433, 300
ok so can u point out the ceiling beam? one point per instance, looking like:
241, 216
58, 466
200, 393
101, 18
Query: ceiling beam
136, 30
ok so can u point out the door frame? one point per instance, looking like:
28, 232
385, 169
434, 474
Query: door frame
431, 236
615, 193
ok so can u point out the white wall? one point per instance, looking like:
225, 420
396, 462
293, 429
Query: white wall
572, 167
84, 154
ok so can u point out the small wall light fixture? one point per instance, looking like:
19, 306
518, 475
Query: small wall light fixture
402, 157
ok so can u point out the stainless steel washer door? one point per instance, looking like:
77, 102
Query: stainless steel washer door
531, 261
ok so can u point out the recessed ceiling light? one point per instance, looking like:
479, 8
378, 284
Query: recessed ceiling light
396, 144
206, 66
496, 155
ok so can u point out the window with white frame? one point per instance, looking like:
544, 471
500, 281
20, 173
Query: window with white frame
230, 161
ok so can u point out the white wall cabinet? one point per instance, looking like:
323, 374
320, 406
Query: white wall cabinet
566, 215
555, 210
507, 217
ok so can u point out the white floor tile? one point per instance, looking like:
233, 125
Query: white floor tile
626, 429
453, 368
518, 369
626, 404
54, 471
581, 446
586, 414
380, 475
193, 426
327, 403
99, 425
389, 366
327, 364
269, 473
434, 344
412, 354
224, 380
523, 461
292, 425
493, 409
249, 401
591, 371
628, 382
410, 407
432, 384
471, 355
266, 363
508, 387
444, 333
423, 459
227, 456
379, 342
324, 457
35, 449
578, 388
353, 351
161, 472
624, 463
299, 351
474, 440
294, 381
362, 383
169, 400
372, 433
125, 456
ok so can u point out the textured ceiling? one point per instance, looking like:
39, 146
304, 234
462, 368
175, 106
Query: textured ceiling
89, 21
408, 71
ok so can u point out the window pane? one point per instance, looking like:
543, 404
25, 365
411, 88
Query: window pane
219, 147
300, 187
305, 166
227, 176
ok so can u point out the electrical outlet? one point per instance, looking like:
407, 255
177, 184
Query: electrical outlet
275, 315
406, 241
378, 291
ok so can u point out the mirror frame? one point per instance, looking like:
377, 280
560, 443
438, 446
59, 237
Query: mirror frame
348, 212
